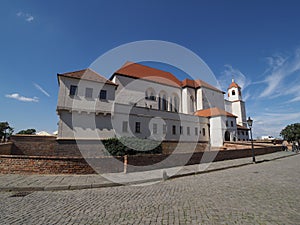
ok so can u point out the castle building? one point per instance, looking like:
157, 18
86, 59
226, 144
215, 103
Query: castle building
149, 103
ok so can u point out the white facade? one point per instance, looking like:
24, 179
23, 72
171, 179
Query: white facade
146, 103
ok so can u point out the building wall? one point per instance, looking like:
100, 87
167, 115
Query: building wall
189, 99
135, 90
238, 109
217, 130
243, 135
209, 99
79, 101
91, 126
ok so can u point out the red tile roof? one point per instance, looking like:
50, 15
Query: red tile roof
239, 127
212, 112
145, 72
233, 84
136, 70
87, 74
198, 83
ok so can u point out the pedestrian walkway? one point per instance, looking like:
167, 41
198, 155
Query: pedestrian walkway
17, 182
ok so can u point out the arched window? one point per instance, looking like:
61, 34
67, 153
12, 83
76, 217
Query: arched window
164, 103
171, 105
233, 92
203, 131
176, 104
150, 94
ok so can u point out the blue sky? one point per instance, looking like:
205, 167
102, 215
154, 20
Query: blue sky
256, 41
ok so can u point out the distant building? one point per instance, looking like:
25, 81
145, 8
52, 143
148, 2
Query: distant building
146, 102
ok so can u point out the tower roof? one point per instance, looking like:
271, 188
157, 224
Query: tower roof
233, 84
212, 112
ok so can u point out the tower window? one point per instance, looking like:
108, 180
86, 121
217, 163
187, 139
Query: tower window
233, 92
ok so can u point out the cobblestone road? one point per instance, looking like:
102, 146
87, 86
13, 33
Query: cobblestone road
265, 193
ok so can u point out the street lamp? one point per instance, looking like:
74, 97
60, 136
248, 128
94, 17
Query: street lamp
250, 122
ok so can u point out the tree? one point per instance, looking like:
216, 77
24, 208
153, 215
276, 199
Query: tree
28, 131
291, 132
5, 129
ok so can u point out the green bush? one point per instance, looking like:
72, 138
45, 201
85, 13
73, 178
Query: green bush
131, 146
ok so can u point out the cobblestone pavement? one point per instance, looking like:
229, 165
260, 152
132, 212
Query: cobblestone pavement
263, 193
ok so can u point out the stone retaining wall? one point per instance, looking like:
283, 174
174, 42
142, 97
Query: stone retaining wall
5, 148
77, 165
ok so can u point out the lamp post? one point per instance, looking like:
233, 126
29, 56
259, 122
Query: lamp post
250, 122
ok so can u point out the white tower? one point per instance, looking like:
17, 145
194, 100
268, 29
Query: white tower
238, 105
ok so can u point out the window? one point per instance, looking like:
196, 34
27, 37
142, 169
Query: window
188, 131
89, 92
242, 132
231, 123
238, 132
164, 103
191, 103
152, 96
164, 128
137, 127
196, 131
73, 90
226, 123
173, 129
203, 131
175, 104
155, 128
125, 126
103, 94
159, 103
180, 129
233, 92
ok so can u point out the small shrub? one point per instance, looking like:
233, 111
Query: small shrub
131, 146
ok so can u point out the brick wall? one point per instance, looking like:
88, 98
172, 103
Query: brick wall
5, 148
43, 165
34, 145
77, 165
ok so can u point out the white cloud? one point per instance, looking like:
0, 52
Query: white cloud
22, 98
41, 89
28, 17
279, 69
273, 123
231, 73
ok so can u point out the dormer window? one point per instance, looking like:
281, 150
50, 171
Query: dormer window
73, 90
103, 95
